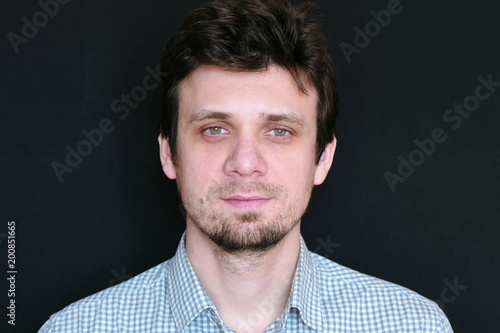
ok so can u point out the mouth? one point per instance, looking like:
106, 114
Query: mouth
246, 202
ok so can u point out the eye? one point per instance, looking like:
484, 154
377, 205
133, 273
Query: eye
279, 132
215, 130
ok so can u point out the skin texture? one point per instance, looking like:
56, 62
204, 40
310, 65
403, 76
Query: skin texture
245, 170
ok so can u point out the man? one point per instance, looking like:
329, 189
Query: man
247, 129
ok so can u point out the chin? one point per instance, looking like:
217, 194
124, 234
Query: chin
246, 232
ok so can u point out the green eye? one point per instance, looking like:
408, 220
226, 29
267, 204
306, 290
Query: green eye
280, 132
215, 130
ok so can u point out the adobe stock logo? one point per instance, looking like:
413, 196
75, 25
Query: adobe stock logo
94, 137
372, 29
450, 293
118, 277
454, 116
326, 247
40, 19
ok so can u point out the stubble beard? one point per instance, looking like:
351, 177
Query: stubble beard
250, 231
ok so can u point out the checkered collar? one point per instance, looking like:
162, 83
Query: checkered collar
304, 295
188, 298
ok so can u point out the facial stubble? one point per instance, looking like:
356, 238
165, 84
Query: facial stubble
252, 231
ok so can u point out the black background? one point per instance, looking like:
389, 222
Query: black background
116, 214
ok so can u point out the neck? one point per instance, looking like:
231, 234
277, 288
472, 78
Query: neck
249, 289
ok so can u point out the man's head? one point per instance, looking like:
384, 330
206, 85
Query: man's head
248, 119
251, 35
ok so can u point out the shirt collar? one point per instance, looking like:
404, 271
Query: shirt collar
188, 298
304, 295
186, 295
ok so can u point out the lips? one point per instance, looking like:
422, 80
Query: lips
246, 202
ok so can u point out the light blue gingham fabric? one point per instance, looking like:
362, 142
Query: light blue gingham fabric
325, 297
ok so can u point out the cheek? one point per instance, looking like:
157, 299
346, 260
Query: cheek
196, 172
296, 173
191, 161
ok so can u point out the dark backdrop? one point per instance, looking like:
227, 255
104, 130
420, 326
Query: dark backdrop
115, 214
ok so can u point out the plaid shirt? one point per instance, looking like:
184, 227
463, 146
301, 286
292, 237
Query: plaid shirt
325, 297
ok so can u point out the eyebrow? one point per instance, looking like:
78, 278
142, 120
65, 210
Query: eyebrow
283, 117
205, 114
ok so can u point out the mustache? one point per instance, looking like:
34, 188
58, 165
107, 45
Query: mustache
264, 189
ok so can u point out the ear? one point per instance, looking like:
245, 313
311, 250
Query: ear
166, 158
325, 162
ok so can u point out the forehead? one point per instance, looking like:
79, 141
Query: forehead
271, 89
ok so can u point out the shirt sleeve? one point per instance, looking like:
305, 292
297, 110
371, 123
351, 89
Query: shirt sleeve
47, 327
438, 322
444, 326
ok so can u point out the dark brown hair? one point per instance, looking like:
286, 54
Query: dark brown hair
251, 35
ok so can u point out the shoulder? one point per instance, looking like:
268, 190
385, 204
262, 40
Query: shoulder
374, 301
138, 295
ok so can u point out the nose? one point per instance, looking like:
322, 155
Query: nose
245, 159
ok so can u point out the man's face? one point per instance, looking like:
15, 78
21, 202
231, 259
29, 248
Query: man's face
245, 163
